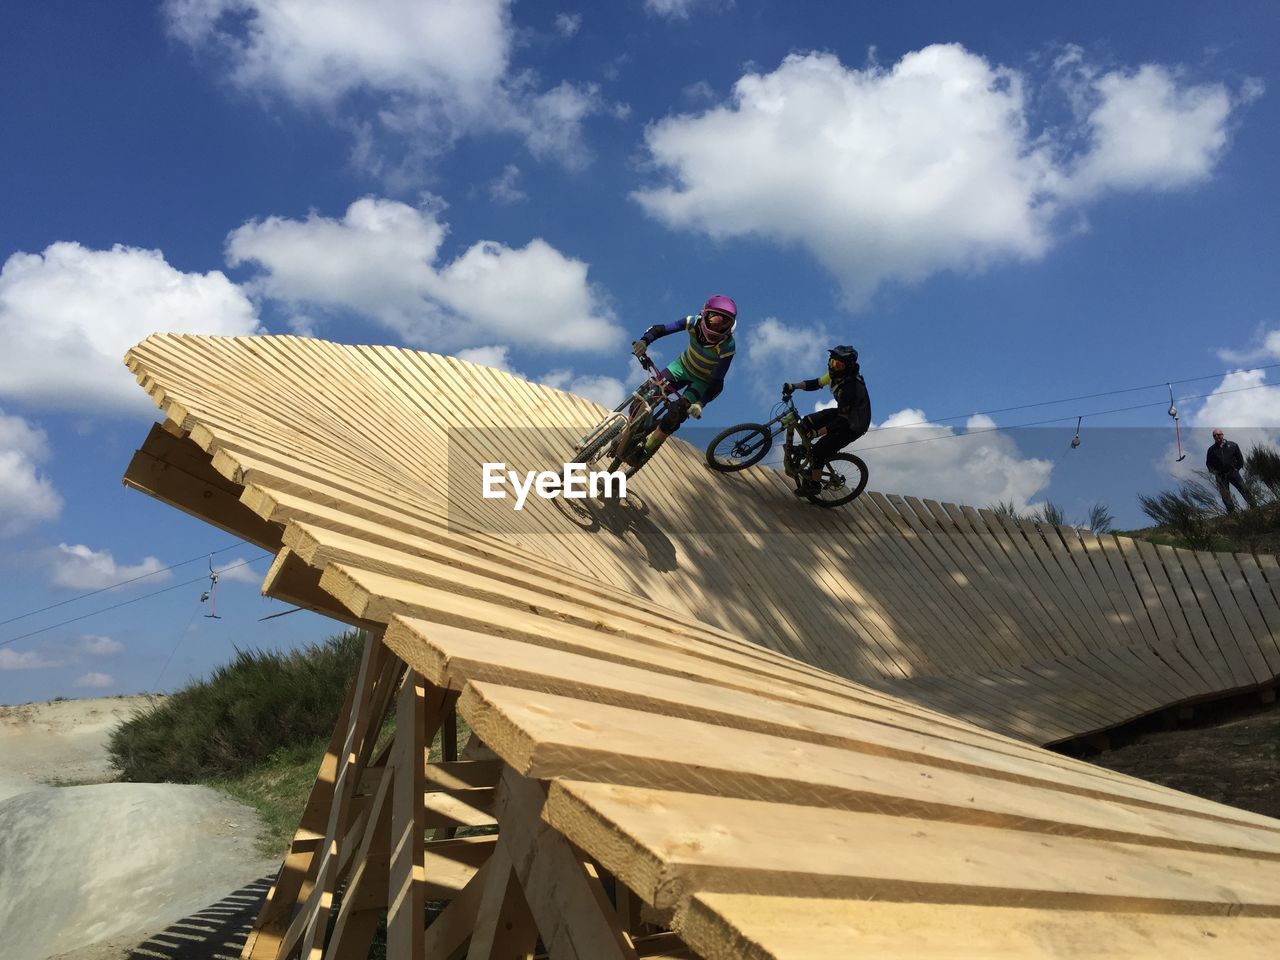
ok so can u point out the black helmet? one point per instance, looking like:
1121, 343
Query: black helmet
842, 361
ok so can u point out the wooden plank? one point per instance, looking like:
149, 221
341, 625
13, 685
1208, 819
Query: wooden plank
380, 598
1268, 607
177, 472
670, 846
1234, 614
1188, 604
292, 580
1038, 566
1211, 676
546, 737
1220, 633
463, 656
472, 808
734, 926
449, 865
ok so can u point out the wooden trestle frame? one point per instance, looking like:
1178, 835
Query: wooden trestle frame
364, 834
770, 744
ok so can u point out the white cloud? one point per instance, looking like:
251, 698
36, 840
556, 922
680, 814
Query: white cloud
1268, 348
26, 497
95, 645
321, 50
11, 659
1146, 131
95, 681
681, 9
1244, 405
1242, 399
977, 466
498, 357
238, 570
67, 316
80, 568
774, 352
894, 174
567, 24
606, 391
380, 260
506, 188
435, 69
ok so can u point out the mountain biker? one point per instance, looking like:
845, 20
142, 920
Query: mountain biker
839, 426
700, 369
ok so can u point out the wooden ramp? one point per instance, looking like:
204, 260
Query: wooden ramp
708, 721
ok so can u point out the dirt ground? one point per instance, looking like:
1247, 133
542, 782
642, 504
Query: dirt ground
90, 868
1228, 752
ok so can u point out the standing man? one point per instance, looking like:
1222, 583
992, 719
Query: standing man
1225, 461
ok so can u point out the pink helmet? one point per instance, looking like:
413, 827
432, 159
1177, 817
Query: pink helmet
710, 329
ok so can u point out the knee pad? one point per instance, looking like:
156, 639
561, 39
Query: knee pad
677, 415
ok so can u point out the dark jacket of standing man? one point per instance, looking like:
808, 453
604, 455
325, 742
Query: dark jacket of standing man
1225, 461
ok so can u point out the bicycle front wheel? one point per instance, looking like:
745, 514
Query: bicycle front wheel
627, 451
739, 447
843, 478
598, 440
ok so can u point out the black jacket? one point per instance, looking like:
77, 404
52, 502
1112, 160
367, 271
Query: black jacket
1224, 459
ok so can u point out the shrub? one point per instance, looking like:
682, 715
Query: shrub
1262, 469
247, 710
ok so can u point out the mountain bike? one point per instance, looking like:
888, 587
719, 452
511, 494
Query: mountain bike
619, 437
746, 444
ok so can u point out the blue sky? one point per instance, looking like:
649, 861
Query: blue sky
1000, 204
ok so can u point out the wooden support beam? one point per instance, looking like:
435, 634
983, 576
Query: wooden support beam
293, 882
419, 714
174, 470
292, 581
468, 808
359, 913
451, 930
504, 927
405, 899
310, 925
572, 911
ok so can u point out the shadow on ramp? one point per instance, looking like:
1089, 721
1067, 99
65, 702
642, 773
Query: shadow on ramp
217, 932
628, 521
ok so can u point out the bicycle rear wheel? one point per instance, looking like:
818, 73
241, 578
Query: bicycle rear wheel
843, 479
737, 448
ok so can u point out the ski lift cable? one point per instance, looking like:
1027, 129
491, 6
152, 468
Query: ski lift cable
122, 583
125, 603
1087, 396
1040, 423
155, 684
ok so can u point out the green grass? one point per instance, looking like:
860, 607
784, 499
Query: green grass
239, 718
1255, 531
257, 729
278, 789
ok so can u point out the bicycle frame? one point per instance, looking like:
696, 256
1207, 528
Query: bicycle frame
650, 399
788, 422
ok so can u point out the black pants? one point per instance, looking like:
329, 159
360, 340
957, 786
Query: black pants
840, 433
1228, 479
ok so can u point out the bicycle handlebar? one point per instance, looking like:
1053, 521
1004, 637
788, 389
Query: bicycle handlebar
651, 368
